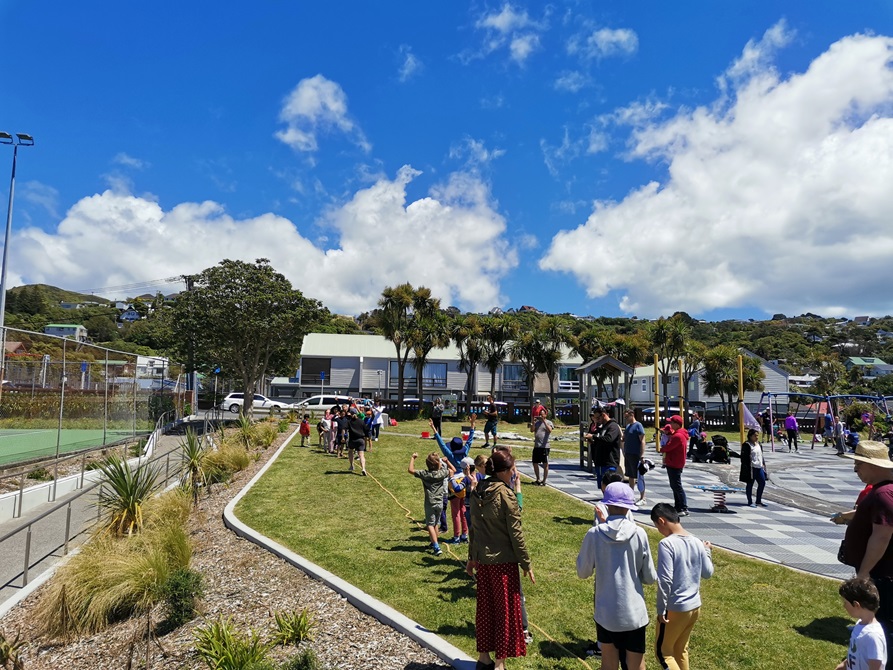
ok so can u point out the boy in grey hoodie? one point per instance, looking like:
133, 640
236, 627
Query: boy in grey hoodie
618, 552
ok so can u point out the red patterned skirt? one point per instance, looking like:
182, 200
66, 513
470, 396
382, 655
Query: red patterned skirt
498, 626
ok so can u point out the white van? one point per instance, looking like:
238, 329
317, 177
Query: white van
318, 404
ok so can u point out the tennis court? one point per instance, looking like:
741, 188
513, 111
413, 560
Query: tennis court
20, 445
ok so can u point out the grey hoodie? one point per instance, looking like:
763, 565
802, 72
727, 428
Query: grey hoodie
617, 551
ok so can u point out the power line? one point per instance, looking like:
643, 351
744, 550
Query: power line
139, 285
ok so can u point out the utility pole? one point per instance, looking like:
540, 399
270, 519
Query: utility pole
190, 353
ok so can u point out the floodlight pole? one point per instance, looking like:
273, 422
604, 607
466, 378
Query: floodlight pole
25, 140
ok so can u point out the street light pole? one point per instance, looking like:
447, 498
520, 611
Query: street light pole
20, 140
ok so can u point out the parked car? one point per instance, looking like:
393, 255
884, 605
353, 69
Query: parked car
234, 402
318, 404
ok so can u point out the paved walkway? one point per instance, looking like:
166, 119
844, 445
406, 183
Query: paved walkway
793, 530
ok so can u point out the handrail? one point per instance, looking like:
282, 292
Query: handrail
80, 493
67, 503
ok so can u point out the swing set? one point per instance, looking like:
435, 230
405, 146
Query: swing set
826, 403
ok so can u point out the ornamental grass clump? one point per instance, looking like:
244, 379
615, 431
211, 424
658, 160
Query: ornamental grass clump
114, 578
264, 434
223, 647
293, 627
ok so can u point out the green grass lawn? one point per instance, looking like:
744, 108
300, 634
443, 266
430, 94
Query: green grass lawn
755, 614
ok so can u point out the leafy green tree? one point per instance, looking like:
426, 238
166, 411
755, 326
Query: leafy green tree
633, 351
102, 329
240, 316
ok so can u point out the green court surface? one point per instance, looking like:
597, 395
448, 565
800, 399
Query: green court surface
21, 445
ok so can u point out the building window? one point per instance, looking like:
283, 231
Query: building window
513, 378
408, 375
434, 375
313, 370
566, 373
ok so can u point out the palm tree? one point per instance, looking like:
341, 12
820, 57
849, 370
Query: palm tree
668, 338
554, 334
428, 331
468, 334
692, 361
631, 350
398, 306
721, 374
589, 345
499, 331
527, 350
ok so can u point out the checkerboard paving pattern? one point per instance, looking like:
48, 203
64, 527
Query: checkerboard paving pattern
777, 533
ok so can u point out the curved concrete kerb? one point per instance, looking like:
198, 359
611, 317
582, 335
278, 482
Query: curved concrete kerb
359, 599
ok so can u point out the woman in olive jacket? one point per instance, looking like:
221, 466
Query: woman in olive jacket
496, 549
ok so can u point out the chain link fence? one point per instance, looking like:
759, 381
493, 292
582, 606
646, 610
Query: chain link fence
60, 394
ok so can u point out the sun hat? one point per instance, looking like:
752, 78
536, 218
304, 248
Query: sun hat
873, 453
619, 494
677, 419
456, 444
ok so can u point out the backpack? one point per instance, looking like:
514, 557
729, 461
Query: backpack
457, 485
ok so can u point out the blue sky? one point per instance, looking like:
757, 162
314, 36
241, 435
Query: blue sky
613, 158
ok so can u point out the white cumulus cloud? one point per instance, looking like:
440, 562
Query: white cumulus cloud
604, 42
410, 64
317, 105
453, 240
510, 28
126, 160
777, 194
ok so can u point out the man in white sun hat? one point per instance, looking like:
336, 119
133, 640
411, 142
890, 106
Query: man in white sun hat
866, 545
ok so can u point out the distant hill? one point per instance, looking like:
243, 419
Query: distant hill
53, 295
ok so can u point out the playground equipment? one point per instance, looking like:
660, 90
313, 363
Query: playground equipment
829, 404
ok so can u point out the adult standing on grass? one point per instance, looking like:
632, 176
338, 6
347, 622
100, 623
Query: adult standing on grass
791, 427
866, 545
542, 430
377, 419
496, 549
633, 446
356, 439
437, 413
674, 459
606, 443
492, 424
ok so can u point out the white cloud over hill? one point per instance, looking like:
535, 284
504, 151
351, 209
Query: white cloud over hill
453, 241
